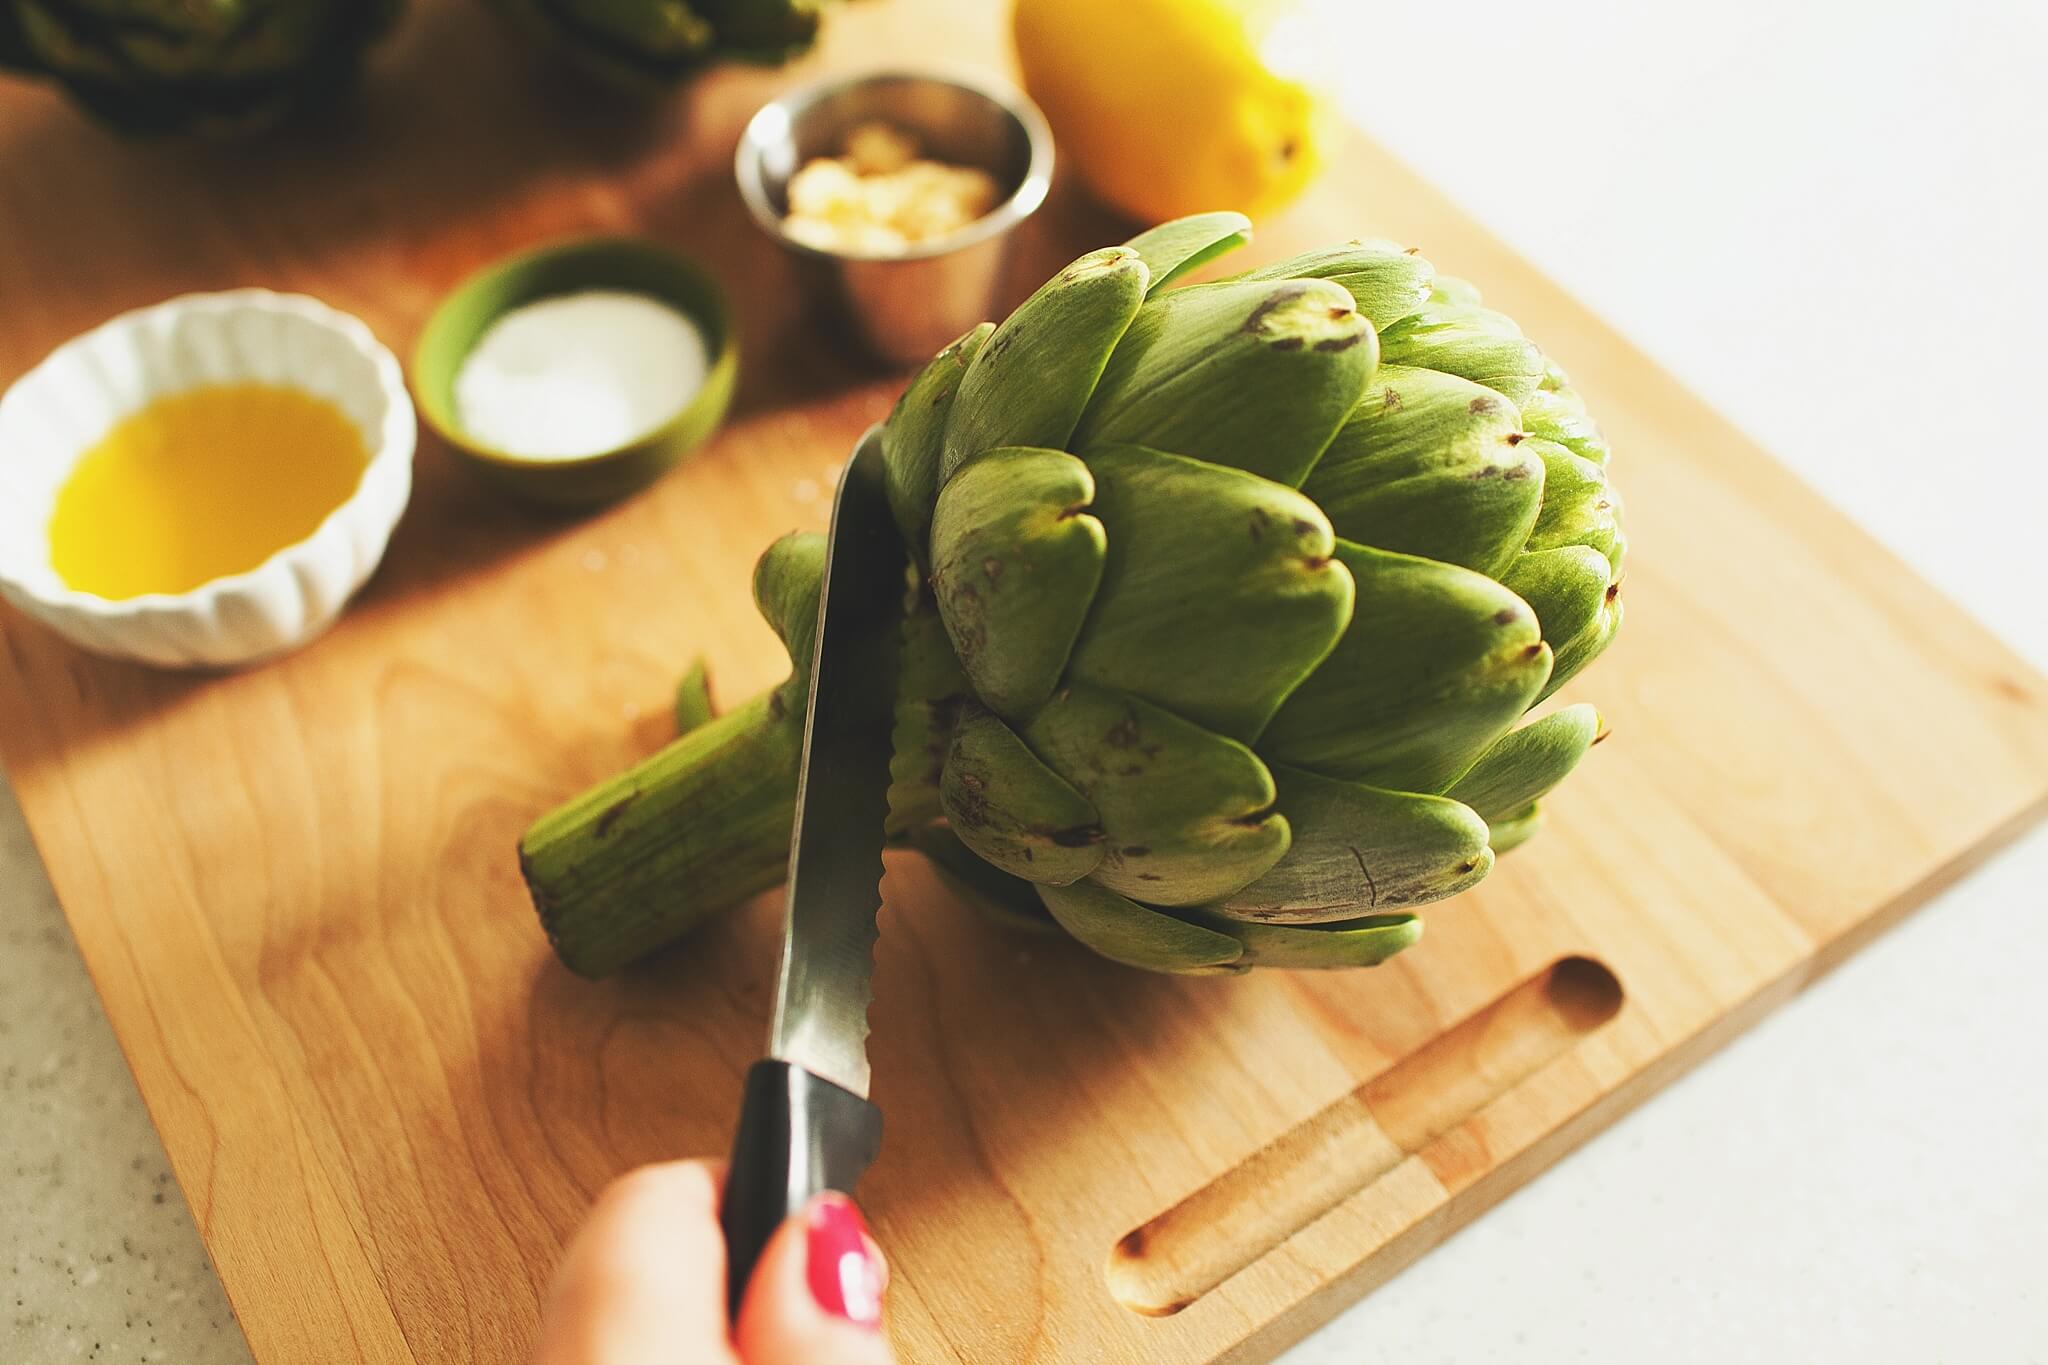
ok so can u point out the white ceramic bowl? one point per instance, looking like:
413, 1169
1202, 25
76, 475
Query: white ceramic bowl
59, 409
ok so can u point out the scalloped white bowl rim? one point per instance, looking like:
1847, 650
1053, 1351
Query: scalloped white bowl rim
29, 579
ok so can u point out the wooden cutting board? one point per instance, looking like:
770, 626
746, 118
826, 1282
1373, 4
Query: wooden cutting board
296, 891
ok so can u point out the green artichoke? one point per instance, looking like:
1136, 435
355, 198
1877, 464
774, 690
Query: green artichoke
213, 66
648, 44
1232, 599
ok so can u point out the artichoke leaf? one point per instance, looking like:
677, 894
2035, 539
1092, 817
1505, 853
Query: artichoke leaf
1471, 342
1172, 249
1256, 375
1453, 291
1578, 506
1574, 594
650, 32
1560, 415
1219, 594
1003, 898
1187, 815
1523, 765
1007, 806
787, 581
1438, 662
693, 706
762, 30
1030, 380
915, 436
211, 22
1015, 564
1565, 587
928, 704
157, 66
1124, 931
1354, 943
645, 45
162, 41
1515, 830
1358, 850
1432, 465
1386, 281
1587, 647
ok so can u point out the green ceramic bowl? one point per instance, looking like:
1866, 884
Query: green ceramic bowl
586, 263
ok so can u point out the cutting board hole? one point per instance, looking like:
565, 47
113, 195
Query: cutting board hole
1166, 1264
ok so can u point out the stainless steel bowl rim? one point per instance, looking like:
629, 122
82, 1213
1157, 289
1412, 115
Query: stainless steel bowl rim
1021, 203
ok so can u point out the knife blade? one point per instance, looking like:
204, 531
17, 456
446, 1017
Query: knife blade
805, 1121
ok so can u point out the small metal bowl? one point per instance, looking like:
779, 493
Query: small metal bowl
904, 305
565, 267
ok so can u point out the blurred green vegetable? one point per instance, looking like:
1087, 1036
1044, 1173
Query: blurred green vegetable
212, 66
647, 44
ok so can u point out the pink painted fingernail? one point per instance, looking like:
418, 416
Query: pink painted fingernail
846, 1280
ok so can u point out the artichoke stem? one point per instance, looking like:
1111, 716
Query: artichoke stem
637, 861
693, 830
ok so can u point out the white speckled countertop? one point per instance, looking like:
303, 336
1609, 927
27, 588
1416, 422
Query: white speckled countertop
103, 1262
1856, 1179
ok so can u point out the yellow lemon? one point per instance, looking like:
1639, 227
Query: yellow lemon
1169, 107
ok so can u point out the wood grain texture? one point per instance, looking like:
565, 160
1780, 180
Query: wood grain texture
388, 1106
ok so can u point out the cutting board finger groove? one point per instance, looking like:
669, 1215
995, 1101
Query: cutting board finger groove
1164, 1265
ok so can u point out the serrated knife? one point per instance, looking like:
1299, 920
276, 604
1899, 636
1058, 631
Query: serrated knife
805, 1121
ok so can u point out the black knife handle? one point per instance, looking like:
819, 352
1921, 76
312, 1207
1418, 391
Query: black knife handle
799, 1136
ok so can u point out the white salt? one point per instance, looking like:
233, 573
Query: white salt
578, 374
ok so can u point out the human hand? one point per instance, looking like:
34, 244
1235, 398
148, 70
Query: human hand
643, 1283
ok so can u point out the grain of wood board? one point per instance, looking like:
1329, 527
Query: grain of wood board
295, 886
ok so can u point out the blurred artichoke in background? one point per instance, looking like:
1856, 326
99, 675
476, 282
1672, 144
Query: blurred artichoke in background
648, 44
1232, 599
212, 66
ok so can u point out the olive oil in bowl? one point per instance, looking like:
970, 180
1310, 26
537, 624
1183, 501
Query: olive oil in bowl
205, 482
202, 484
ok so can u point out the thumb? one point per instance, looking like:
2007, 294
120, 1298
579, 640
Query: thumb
816, 1294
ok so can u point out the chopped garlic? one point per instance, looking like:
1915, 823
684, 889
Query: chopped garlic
880, 198
828, 234
825, 188
878, 149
